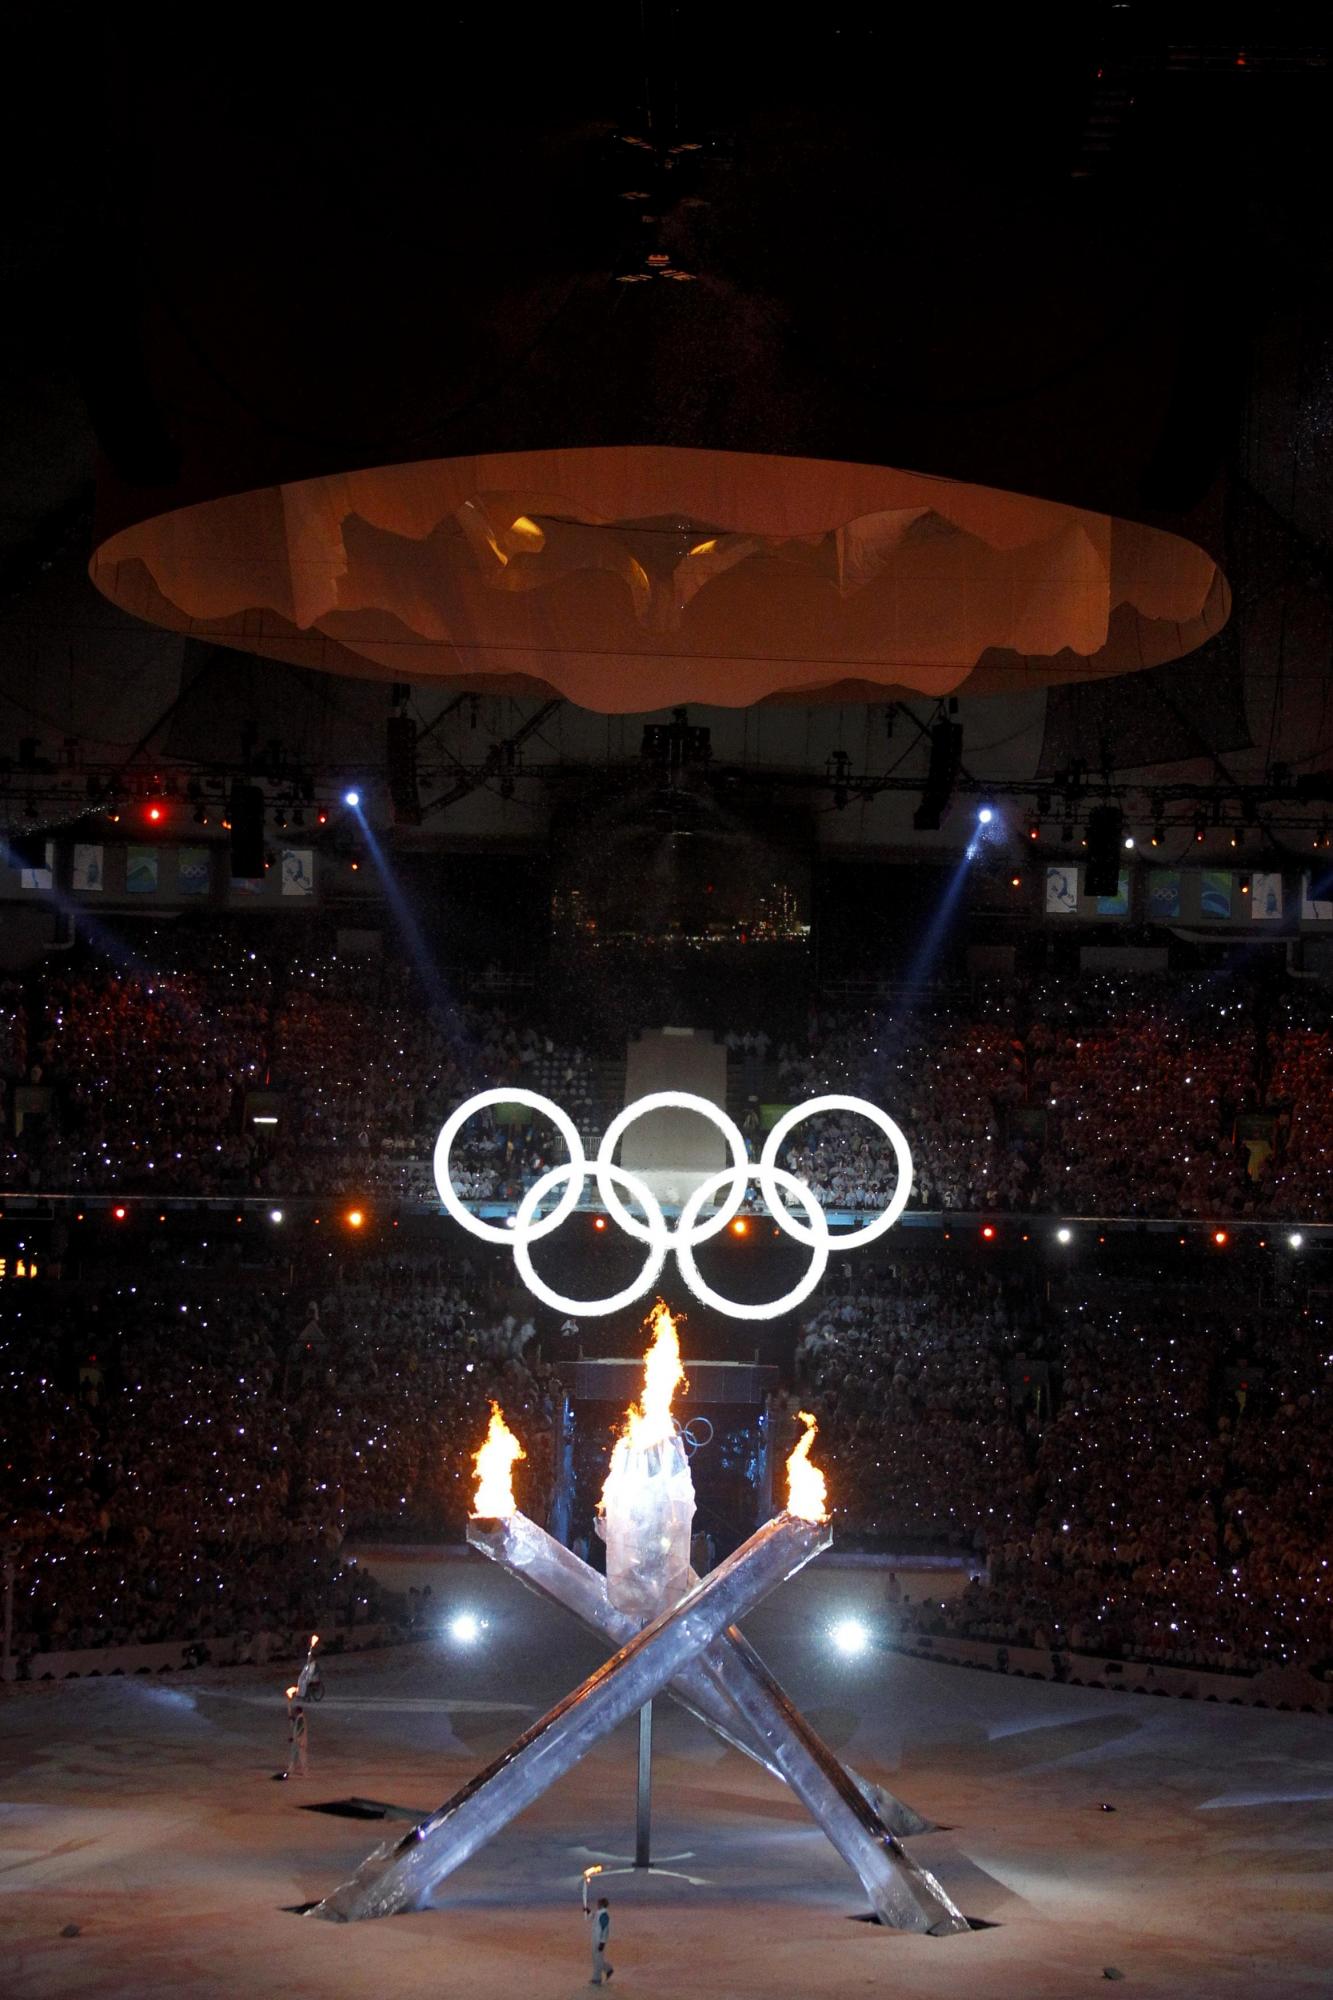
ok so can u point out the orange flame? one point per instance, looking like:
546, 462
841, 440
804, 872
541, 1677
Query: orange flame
807, 1488
291, 1692
494, 1497
649, 1421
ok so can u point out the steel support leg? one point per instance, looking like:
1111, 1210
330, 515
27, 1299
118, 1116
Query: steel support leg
643, 1797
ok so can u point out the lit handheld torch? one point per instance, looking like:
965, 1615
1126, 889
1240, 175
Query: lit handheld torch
303, 1679
588, 1874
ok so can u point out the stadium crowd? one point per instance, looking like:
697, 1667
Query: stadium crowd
1144, 1465
185, 1454
1144, 1468
1105, 1095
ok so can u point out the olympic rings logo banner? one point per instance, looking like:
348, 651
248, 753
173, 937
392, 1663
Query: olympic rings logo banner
650, 1227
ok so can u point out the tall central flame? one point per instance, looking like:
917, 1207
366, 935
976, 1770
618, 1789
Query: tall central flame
649, 1422
494, 1498
807, 1488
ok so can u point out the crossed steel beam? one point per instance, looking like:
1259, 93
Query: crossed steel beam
552, 1571
693, 1649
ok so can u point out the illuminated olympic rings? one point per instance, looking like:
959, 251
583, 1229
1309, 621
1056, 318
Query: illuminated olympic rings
650, 1227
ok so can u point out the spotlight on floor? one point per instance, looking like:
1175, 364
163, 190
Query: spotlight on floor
850, 1637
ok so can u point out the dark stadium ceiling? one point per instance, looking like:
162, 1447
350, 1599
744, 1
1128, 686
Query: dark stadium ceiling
1086, 258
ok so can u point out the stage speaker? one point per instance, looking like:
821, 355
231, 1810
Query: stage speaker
246, 813
401, 749
946, 755
1101, 876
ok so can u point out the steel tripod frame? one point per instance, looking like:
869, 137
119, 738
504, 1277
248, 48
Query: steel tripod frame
730, 1690
401, 1875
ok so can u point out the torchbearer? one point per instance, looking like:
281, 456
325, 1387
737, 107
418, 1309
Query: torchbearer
601, 1933
296, 1737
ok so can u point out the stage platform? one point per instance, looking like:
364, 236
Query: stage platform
141, 1810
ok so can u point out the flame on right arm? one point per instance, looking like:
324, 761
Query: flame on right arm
494, 1497
807, 1488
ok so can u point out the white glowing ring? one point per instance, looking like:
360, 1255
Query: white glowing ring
674, 1100
523, 1233
818, 1236
564, 1124
769, 1172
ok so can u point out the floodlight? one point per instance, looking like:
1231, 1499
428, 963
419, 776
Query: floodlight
850, 1637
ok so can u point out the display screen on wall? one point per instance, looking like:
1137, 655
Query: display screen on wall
1062, 891
1317, 897
1163, 903
298, 871
87, 874
192, 871
1215, 892
141, 871
1117, 905
1266, 897
40, 877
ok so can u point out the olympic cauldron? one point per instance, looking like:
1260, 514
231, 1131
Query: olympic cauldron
673, 1631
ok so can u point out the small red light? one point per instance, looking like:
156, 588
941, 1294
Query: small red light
355, 1218
988, 1232
740, 1227
599, 1222
119, 1214
1219, 1237
1015, 881
155, 814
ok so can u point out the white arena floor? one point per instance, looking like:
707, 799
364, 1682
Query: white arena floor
143, 1813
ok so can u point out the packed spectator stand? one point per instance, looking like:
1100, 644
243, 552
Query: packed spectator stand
1106, 1095
1142, 1465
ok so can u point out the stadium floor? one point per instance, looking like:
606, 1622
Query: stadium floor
142, 1812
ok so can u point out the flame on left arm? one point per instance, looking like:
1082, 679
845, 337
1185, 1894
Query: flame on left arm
807, 1488
494, 1497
